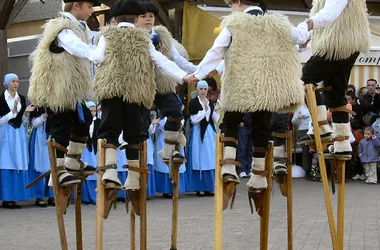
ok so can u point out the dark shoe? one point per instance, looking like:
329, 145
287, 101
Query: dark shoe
8, 204
120, 200
15, 205
199, 194
167, 196
209, 194
40, 203
51, 202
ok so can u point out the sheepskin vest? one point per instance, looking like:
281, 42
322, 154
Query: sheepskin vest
164, 84
263, 68
348, 34
127, 70
58, 80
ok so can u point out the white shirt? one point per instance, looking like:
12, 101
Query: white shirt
303, 122
92, 126
38, 121
329, 13
166, 66
182, 62
204, 114
71, 43
11, 102
213, 57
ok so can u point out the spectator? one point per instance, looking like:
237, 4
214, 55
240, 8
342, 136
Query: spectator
351, 99
357, 167
244, 150
369, 109
369, 156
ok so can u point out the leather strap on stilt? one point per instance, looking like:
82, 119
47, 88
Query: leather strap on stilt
260, 172
135, 146
324, 89
321, 123
260, 149
230, 161
342, 109
109, 145
282, 135
229, 139
176, 120
59, 168
135, 169
78, 158
59, 147
104, 168
171, 142
340, 138
79, 138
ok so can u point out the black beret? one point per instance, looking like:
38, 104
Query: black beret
127, 7
95, 2
150, 8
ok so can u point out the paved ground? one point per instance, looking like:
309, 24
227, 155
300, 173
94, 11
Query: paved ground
36, 228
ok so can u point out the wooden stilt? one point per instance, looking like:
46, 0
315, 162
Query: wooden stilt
100, 196
60, 195
143, 190
289, 197
264, 220
312, 104
175, 182
340, 165
78, 214
218, 196
132, 226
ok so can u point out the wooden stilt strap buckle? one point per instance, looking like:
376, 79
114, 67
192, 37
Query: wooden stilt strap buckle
228, 139
230, 161
342, 109
139, 170
260, 172
59, 147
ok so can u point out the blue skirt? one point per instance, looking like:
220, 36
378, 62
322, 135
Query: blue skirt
89, 191
164, 185
41, 188
12, 185
151, 181
200, 180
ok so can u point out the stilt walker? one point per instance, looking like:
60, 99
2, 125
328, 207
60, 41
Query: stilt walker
126, 94
340, 32
274, 86
61, 82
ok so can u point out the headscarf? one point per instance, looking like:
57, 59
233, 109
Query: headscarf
202, 83
90, 104
8, 78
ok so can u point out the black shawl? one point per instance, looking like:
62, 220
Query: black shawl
4, 110
194, 107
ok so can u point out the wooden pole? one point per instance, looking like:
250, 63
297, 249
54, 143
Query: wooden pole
57, 194
312, 104
132, 225
175, 183
100, 198
78, 215
264, 220
289, 197
218, 196
143, 187
341, 200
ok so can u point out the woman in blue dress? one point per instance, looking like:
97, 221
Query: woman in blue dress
201, 147
163, 181
151, 177
39, 162
89, 156
13, 144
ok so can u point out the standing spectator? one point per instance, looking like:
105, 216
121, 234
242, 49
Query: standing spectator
356, 163
301, 118
370, 111
13, 141
369, 156
244, 149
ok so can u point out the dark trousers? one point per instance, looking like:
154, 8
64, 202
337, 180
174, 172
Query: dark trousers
66, 126
334, 74
169, 106
130, 118
279, 123
260, 129
244, 149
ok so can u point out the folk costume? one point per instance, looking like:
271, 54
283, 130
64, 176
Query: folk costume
39, 156
125, 86
261, 76
341, 31
13, 147
61, 81
201, 156
166, 99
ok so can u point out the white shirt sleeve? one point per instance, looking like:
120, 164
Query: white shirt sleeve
166, 66
70, 42
215, 116
220, 67
214, 55
5, 119
300, 33
38, 121
152, 128
329, 13
181, 61
198, 117
98, 55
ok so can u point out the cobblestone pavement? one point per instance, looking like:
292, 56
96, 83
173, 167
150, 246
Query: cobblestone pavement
36, 228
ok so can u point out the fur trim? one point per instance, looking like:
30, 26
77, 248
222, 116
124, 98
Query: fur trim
348, 34
164, 84
263, 68
58, 81
127, 70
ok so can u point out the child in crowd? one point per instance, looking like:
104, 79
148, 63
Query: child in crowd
369, 156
